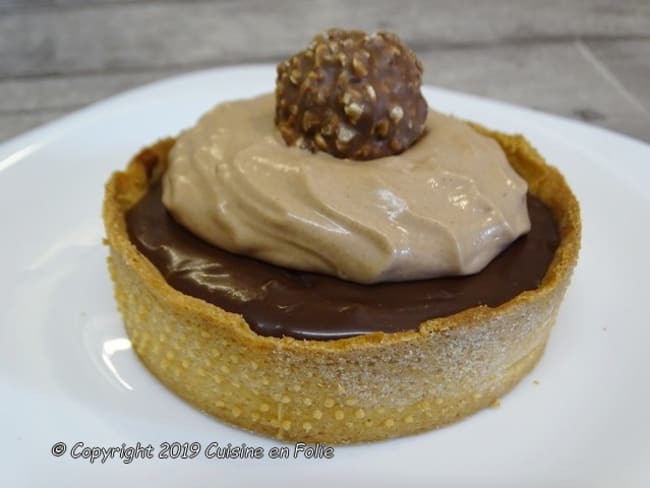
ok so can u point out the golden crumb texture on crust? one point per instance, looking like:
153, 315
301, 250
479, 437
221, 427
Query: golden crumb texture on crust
352, 390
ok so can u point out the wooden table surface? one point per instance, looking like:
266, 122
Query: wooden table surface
584, 59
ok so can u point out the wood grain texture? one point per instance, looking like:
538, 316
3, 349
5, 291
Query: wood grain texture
586, 59
628, 62
558, 78
154, 35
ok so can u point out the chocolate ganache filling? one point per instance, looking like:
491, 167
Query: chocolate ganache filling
278, 302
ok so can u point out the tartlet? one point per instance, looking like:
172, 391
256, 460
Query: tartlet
363, 388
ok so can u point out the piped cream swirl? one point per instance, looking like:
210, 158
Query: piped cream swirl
445, 207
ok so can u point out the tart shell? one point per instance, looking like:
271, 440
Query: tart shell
363, 388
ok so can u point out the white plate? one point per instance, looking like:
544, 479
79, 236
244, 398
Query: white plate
67, 372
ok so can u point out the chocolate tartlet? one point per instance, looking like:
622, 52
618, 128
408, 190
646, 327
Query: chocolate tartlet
366, 377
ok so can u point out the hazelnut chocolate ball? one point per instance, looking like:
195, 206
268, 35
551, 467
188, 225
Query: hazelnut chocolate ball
352, 95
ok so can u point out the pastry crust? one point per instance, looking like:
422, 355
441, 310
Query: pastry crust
364, 388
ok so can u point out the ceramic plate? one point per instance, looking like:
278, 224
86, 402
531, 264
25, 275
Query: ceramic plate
68, 374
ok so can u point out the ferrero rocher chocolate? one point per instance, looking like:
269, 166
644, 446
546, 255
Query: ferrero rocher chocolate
352, 95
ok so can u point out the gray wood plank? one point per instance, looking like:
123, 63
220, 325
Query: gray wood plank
12, 6
142, 36
15, 124
628, 62
63, 93
556, 78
